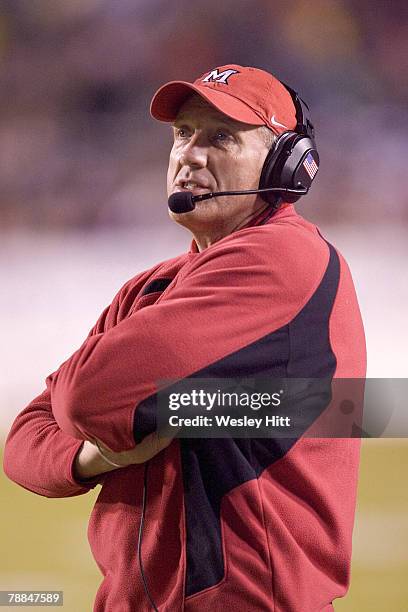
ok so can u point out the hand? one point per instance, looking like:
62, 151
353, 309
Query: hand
89, 461
150, 446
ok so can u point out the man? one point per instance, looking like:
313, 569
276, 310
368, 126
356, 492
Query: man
245, 524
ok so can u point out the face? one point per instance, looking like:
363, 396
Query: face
212, 152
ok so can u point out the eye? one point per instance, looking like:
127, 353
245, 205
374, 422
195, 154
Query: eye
181, 132
221, 135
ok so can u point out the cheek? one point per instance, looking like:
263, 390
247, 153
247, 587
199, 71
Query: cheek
241, 170
171, 171
243, 174
252, 169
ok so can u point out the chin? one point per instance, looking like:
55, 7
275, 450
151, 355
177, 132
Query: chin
205, 214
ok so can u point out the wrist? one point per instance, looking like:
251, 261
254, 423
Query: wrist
89, 463
105, 458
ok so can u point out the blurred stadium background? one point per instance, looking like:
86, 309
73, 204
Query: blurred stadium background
83, 208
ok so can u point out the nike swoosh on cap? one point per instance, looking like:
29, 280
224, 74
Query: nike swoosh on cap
274, 122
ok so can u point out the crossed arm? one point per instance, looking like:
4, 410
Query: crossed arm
46, 460
225, 300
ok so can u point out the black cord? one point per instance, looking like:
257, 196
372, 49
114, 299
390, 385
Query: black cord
139, 542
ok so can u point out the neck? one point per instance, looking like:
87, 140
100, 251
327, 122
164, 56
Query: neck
206, 238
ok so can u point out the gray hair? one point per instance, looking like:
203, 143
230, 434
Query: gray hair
268, 136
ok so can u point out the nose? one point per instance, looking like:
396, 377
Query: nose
194, 153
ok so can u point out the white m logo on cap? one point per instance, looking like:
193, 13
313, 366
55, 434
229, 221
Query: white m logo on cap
220, 77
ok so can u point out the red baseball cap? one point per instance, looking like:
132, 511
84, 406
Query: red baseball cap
246, 94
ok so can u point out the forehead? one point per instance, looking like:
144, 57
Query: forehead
198, 110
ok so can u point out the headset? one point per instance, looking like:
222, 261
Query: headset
293, 160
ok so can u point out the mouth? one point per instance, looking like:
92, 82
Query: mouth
191, 187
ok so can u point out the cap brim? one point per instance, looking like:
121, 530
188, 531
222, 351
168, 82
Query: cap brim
168, 100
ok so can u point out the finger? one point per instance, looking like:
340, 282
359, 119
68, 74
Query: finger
150, 446
103, 446
168, 431
154, 443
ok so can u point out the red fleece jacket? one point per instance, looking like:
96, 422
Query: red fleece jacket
258, 525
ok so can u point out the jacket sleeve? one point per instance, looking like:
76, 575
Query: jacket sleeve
228, 296
38, 455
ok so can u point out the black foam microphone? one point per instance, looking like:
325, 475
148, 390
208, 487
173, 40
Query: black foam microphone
184, 201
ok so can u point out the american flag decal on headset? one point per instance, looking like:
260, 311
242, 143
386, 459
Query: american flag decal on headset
310, 166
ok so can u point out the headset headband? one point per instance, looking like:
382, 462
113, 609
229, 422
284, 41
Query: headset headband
304, 124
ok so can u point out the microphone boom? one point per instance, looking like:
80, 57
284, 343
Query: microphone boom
184, 201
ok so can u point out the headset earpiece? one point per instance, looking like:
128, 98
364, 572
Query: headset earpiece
293, 161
